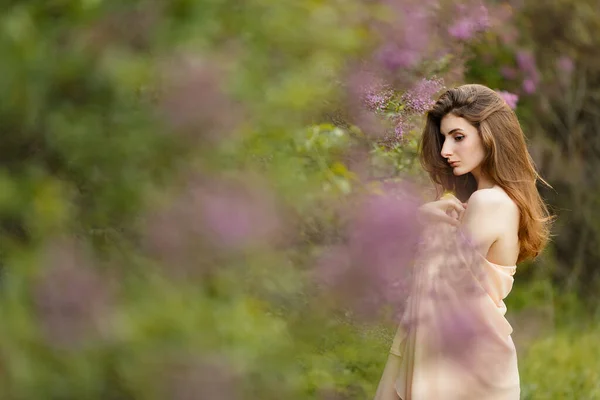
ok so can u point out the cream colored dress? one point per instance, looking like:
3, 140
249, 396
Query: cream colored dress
453, 341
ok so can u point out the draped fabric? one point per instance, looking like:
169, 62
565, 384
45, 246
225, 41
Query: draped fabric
453, 340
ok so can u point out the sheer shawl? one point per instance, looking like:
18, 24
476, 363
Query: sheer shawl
453, 341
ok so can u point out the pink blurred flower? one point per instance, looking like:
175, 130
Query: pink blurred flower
508, 72
407, 35
399, 129
376, 94
195, 101
371, 269
420, 97
526, 61
565, 64
365, 93
510, 98
527, 64
473, 20
394, 56
239, 214
529, 86
212, 215
397, 132
463, 29
372, 125
377, 100
71, 298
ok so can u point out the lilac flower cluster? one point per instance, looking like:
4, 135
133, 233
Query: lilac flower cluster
527, 64
71, 298
395, 56
395, 135
509, 72
419, 99
409, 32
399, 128
224, 214
195, 103
376, 99
474, 20
510, 98
565, 64
371, 270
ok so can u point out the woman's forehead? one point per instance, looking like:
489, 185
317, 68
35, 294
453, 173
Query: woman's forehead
451, 122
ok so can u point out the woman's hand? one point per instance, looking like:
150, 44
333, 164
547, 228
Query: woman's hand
448, 209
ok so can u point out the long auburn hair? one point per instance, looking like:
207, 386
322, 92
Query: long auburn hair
507, 161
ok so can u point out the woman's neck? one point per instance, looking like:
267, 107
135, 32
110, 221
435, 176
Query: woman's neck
483, 182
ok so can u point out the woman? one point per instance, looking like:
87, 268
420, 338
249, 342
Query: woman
454, 341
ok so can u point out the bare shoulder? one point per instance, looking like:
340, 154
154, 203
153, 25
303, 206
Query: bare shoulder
490, 215
492, 199
495, 204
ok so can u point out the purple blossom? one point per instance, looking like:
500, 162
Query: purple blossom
527, 64
471, 23
399, 129
529, 86
508, 72
365, 91
212, 215
371, 270
419, 99
565, 64
463, 29
510, 98
71, 298
393, 138
238, 215
482, 22
376, 98
408, 34
369, 123
526, 61
195, 103
394, 57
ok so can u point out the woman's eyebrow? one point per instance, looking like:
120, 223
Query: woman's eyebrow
452, 131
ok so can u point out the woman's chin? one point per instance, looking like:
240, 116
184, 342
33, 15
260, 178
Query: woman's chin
458, 171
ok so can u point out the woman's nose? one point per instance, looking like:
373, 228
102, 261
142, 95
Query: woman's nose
446, 151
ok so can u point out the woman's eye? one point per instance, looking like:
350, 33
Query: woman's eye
458, 138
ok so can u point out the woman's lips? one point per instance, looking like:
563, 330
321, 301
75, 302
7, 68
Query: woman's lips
454, 164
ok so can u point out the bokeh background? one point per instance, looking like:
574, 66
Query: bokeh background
215, 199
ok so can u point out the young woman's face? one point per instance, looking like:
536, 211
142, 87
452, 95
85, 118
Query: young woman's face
461, 144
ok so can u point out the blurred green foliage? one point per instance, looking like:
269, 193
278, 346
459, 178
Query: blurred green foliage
103, 169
